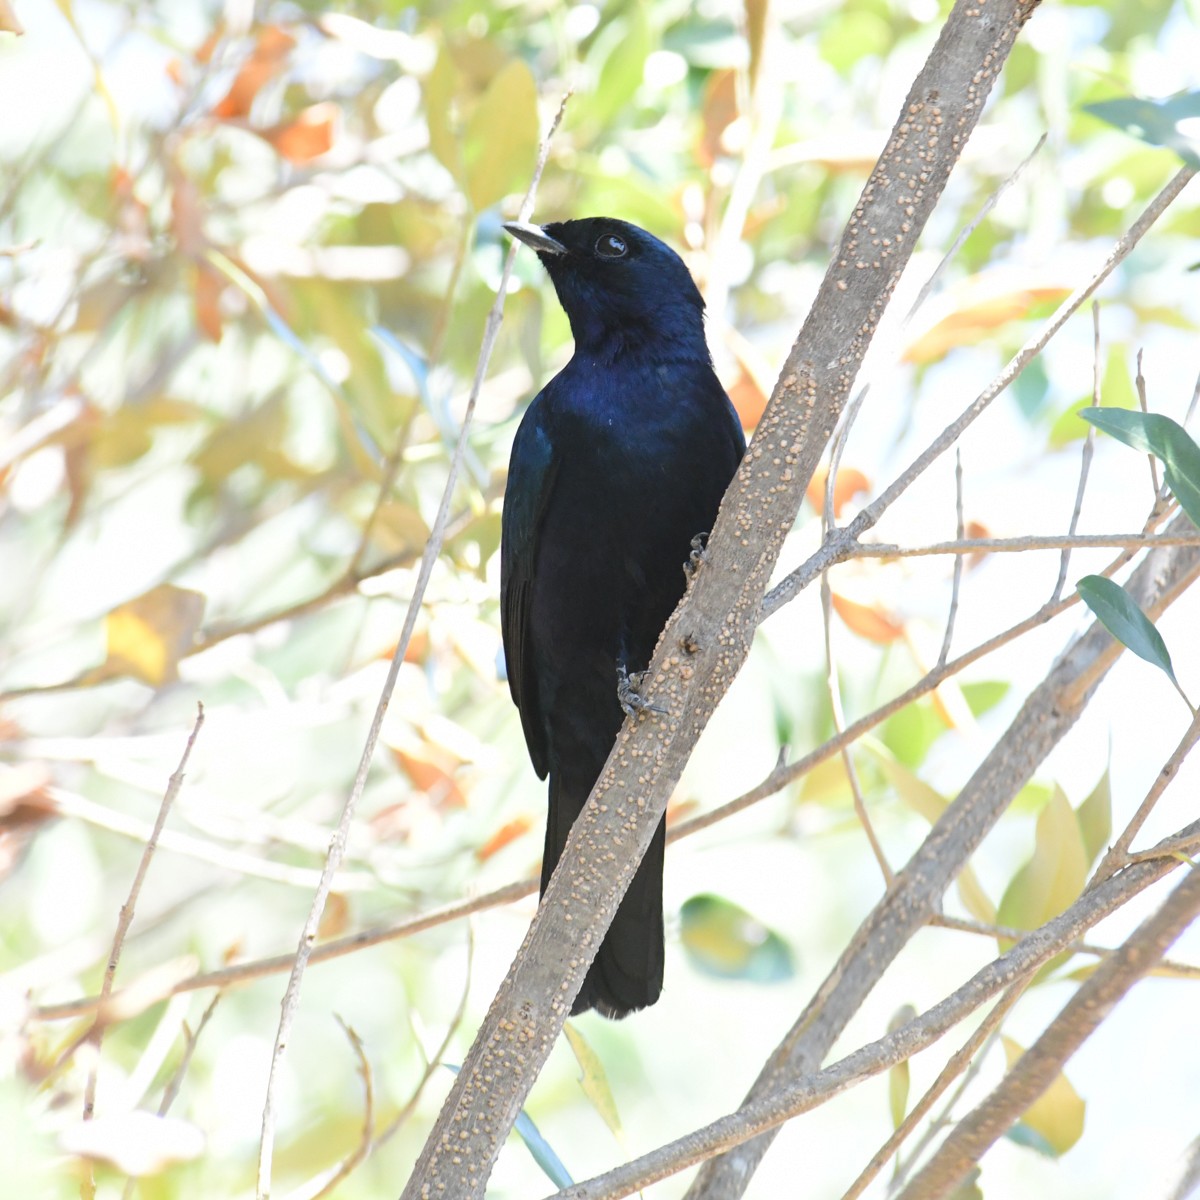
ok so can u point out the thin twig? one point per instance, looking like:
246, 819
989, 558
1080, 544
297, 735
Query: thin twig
1139, 382
337, 845
1019, 545
96, 1035
1038, 1067
960, 533
958, 1061
1118, 852
1085, 458
834, 549
839, 723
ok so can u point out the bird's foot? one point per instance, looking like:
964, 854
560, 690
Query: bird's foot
699, 544
629, 693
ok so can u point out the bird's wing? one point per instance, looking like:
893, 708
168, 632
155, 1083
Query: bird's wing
531, 474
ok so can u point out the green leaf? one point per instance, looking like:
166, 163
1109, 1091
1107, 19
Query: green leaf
1120, 615
594, 1079
1021, 1135
543, 1153
1167, 440
502, 137
622, 50
1157, 122
984, 694
899, 1075
724, 940
1054, 876
1055, 1117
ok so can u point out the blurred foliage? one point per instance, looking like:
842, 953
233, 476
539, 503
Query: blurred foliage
244, 270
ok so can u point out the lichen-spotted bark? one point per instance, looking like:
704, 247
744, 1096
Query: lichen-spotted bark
708, 637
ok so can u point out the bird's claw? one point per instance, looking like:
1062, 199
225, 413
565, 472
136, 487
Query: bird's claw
696, 557
629, 693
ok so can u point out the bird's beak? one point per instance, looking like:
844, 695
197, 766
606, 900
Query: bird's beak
535, 237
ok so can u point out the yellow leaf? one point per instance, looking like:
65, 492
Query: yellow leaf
1053, 878
1057, 1114
502, 136
594, 1081
899, 1075
147, 636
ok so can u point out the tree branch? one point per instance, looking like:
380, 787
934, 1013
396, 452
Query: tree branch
708, 637
1037, 1068
814, 1088
1051, 710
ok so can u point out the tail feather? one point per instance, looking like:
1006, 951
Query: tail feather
627, 972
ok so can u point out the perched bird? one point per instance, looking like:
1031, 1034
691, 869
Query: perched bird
619, 464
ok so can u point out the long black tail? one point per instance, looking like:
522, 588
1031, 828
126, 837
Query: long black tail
627, 973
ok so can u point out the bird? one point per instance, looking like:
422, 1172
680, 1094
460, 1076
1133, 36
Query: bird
617, 470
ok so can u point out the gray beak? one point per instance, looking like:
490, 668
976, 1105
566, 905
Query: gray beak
534, 237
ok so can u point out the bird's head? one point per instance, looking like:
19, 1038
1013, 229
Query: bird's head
621, 288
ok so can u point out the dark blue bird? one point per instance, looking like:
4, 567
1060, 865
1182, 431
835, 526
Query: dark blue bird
619, 464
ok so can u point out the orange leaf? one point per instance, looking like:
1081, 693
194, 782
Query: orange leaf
976, 529
335, 919
431, 778
508, 832
748, 399
265, 62
870, 623
307, 137
849, 483
209, 286
719, 109
979, 310
8, 19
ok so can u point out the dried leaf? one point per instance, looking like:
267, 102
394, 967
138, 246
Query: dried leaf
8, 19
309, 135
210, 283
980, 306
430, 776
868, 622
147, 636
335, 920
506, 834
267, 60
849, 483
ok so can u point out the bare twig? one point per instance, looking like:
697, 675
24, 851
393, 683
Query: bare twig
839, 724
433, 547
834, 550
958, 1062
1085, 458
960, 532
1118, 852
125, 919
1019, 545
1139, 381
1042, 1062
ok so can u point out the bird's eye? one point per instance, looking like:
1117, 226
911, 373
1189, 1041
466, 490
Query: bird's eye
611, 246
